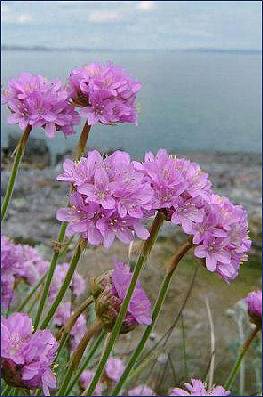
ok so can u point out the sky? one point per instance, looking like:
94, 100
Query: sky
121, 25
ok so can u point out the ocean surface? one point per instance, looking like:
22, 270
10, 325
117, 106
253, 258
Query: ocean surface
190, 100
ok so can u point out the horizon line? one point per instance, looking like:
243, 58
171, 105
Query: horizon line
7, 47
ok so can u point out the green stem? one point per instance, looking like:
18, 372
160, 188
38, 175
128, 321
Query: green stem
63, 288
156, 311
19, 153
29, 296
64, 333
50, 273
242, 353
146, 249
80, 149
86, 362
93, 330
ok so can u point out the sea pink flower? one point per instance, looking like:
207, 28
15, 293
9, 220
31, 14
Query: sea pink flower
77, 284
254, 305
111, 199
26, 357
33, 100
222, 237
32, 266
105, 93
198, 388
114, 368
141, 390
85, 379
109, 291
63, 313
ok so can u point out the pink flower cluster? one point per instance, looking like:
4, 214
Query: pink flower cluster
114, 196
105, 93
218, 227
62, 314
254, 305
27, 358
114, 368
33, 100
18, 262
110, 200
85, 379
141, 390
77, 285
24, 262
198, 388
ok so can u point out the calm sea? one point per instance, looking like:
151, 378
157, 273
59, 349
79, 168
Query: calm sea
190, 101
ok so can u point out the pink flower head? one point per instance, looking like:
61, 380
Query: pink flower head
105, 93
174, 181
32, 266
109, 291
11, 265
63, 313
198, 388
86, 378
222, 237
26, 357
77, 284
111, 199
33, 100
114, 368
254, 305
141, 390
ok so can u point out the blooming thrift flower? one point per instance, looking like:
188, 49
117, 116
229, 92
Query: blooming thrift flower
26, 357
85, 379
32, 266
141, 390
105, 93
63, 313
114, 368
198, 388
254, 304
11, 264
111, 199
77, 284
219, 229
109, 291
33, 100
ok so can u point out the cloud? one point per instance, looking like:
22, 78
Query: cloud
101, 16
145, 5
12, 17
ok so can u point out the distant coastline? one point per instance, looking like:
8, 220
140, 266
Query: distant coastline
5, 47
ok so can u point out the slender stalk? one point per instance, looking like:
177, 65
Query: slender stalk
64, 333
146, 249
63, 288
19, 153
94, 329
86, 362
242, 353
31, 293
80, 149
50, 274
156, 311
